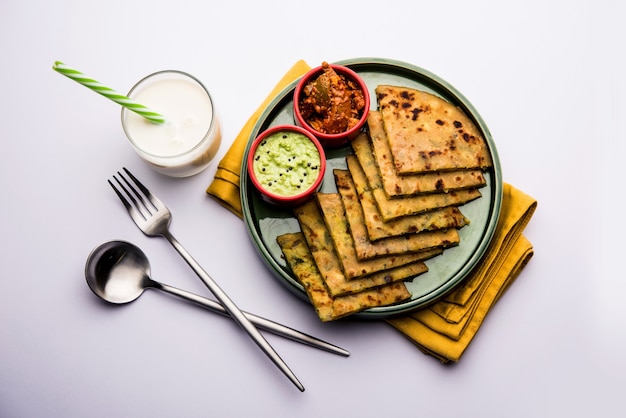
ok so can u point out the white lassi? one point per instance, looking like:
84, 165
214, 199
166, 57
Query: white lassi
190, 137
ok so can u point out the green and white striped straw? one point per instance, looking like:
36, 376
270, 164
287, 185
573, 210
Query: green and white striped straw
107, 92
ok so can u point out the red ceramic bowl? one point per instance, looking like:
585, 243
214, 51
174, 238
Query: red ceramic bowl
286, 164
331, 140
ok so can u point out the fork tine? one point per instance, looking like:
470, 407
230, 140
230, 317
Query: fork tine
154, 201
134, 211
139, 201
119, 194
136, 208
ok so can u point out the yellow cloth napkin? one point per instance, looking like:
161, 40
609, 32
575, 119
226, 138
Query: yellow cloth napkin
225, 186
446, 328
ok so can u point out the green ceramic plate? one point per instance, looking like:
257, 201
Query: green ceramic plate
265, 222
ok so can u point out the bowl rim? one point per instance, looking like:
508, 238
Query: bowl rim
340, 69
281, 198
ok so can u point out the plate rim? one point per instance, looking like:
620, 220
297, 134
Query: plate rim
487, 233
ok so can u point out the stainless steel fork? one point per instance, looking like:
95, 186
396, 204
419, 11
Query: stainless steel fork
153, 218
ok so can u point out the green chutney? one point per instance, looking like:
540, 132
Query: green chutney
286, 163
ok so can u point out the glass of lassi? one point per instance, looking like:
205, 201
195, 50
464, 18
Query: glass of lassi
189, 138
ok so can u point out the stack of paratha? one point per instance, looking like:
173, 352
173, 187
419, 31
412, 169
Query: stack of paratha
396, 205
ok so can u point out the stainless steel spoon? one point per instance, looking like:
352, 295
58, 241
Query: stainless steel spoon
119, 272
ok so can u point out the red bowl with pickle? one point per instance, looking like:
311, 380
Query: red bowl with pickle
332, 102
286, 164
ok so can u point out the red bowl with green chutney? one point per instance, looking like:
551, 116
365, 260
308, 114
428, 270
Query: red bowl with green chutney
332, 102
286, 164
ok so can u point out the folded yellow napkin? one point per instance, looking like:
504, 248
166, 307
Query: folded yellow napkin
445, 328
225, 186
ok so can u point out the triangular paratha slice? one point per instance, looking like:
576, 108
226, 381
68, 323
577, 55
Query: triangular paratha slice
319, 234
427, 133
391, 209
323, 250
349, 233
327, 307
448, 217
394, 185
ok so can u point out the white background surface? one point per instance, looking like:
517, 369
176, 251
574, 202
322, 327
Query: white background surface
546, 76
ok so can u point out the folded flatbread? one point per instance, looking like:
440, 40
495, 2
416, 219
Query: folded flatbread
444, 218
390, 209
396, 185
427, 133
317, 233
350, 235
329, 266
327, 307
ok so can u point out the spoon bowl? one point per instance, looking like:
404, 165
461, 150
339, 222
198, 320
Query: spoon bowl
118, 272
